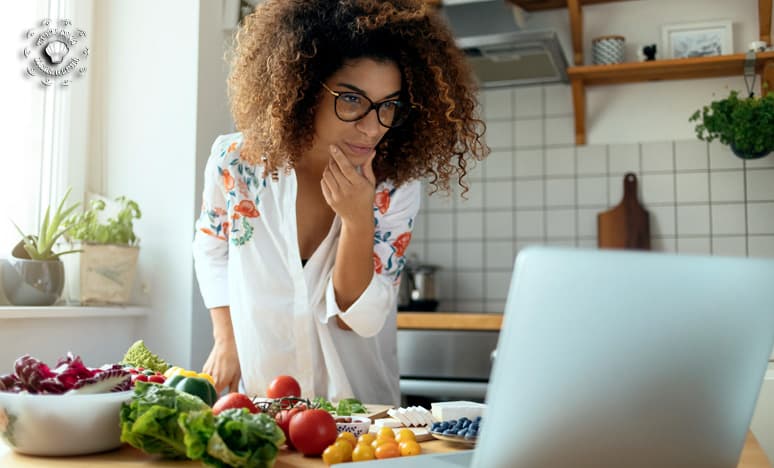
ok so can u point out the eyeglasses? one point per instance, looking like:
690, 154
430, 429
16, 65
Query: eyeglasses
350, 107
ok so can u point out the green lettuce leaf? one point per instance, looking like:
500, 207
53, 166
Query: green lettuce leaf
234, 437
149, 421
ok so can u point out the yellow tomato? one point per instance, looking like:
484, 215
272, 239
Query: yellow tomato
345, 448
332, 455
386, 432
404, 435
381, 441
387, 450
349, 437
363, 452
366, 438
409, 447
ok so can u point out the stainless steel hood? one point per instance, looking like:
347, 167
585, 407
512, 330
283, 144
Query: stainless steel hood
503, 51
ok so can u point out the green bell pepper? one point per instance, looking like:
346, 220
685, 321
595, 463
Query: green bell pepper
196, 386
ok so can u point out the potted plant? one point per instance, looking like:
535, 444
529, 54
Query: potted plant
745, 125
34, 275
109, 251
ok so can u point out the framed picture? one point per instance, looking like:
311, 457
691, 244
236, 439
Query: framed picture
697, 39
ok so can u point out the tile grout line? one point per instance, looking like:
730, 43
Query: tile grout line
674, 199
709, 202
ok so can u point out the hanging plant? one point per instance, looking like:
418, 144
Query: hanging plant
745, 125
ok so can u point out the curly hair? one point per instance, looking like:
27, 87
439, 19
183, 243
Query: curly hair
286, 48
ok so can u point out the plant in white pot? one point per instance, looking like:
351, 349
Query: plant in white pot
34, 275
108, 261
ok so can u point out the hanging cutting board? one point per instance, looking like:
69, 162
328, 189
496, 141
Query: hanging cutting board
627, 225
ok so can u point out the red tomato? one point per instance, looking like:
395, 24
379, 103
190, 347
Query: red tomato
312, 431
234, 400
283, 421
283, 386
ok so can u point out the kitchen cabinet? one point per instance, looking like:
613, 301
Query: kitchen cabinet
582, 75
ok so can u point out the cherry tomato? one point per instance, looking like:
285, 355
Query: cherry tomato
405, 435
312, 430
409, 447
283, 386
283, 421
363, 452
332, 455
349, 437
156, 379
346, 448
387, 450
366, 438
234, 400
386, 433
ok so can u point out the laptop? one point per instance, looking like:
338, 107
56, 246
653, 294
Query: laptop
623, 359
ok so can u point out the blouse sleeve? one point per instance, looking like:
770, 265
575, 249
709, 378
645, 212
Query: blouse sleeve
394, 213
210, 245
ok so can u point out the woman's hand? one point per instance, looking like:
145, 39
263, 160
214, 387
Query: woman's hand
223, 366
223, 362
348, 192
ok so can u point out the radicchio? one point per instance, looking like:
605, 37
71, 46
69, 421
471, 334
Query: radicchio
70, 373
9, 383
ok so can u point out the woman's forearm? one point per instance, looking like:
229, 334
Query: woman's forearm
354, 265
222, 329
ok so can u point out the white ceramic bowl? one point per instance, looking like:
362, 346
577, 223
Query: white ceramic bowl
61, 424
358, 426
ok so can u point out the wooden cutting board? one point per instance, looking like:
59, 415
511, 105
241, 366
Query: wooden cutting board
627, 225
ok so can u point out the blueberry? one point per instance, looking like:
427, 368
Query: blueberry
452, 422
466, 423
443, 426
470, 436
478, 419
462, 432
449, 432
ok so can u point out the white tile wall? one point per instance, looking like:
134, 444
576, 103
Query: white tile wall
529, 163
538, 188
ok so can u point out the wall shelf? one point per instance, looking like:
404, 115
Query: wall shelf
634, 72
8, 312
538, 5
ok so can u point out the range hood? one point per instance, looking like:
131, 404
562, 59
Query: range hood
501, 52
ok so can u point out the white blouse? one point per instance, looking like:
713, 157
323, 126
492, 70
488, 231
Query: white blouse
246, 257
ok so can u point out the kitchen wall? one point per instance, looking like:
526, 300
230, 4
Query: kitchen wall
537, 187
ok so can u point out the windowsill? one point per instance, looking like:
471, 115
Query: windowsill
49, 312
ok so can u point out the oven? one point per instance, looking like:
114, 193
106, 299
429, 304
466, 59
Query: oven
444, 365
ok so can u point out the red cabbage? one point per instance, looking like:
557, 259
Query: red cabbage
35, 376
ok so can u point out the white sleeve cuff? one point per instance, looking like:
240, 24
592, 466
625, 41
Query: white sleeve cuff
366, 316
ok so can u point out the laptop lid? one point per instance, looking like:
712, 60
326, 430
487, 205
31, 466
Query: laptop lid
620, 358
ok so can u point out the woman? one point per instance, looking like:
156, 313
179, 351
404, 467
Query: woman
342, 106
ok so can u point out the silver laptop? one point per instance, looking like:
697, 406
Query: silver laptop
623, 359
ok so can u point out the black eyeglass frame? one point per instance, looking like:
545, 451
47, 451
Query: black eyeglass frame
372, 106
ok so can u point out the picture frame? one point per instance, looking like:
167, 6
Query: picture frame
703, 39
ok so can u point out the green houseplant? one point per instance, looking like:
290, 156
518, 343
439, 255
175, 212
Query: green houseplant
110, 250
745, 125
34, 275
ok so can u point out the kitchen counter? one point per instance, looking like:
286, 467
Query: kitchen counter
126, 456
449, 321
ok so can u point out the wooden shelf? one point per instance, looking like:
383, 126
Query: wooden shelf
538, 5
674, 69
677, 69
